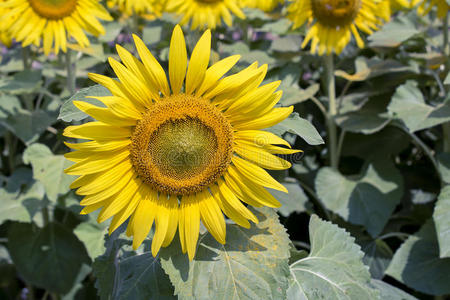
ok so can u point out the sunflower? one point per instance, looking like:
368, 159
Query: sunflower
391, 6
425, 7
332, 22
176, 155
139, 7
265, 5
55, 21
205, 13
5, 39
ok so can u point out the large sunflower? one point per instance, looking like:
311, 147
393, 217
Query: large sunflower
265, 5
332, 22
139, 7
205, 13
425, 7
177, 154
53, 21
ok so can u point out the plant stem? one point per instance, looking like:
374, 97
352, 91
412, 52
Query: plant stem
26, 58
446, 49
340, 144
332, 110
446, 45
320, 106
45, 216
418, 142
316, 199
71, 76
11, 142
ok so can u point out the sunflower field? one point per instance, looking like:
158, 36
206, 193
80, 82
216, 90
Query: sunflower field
224, 149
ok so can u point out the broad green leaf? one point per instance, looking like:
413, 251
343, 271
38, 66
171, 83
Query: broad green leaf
22, 82
296, 95
153, 32
377, 255
441, 217
26, 125
253, 264
49, 258
85, 270
333, 269
301, 127
393, 33
390, 292
141, 277
69, 112
417, 264
368, 200
290, 43
92, 235
48, 169
409, 106
294, 201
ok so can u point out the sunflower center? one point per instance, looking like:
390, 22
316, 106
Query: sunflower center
182, 145
335, 13
53, 9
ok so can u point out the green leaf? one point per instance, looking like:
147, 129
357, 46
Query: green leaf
290, 43
301, 127
390, 292
294, 201
48, 169
141, 277
26, 125
49, 258
69, 112
394, 33
408, 105
377, 255
367, 201
417, 264
22, 82
333, 269
441, 217
92, 235
253, 264
295, 95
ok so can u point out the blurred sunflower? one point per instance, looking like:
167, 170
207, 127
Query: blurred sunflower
391, 6
55, 21
332, 22
205, 13
139, 7
175, 156
265, 5
5, 39
425, 6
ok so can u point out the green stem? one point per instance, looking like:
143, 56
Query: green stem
26, 58
316, 200
71, 76
45, 215
11, 143
446, 49
332, 111
446, 45
340, 144
421, 145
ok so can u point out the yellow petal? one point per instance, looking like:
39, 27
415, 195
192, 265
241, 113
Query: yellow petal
177, 60
103, 114
212, 216
261, 157
190, 220
173, 220
99, 146
215, 72
257, 174
198, 63
97, 163
97, 131
272, 118
144, 216
259, 138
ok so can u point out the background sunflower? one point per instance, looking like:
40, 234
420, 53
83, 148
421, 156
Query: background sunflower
332, 23
205, 14
53, 22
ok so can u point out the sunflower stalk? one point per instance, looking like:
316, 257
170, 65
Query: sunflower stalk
71, 72
446, 49
332, 111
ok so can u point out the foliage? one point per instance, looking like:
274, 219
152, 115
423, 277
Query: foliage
374, 226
